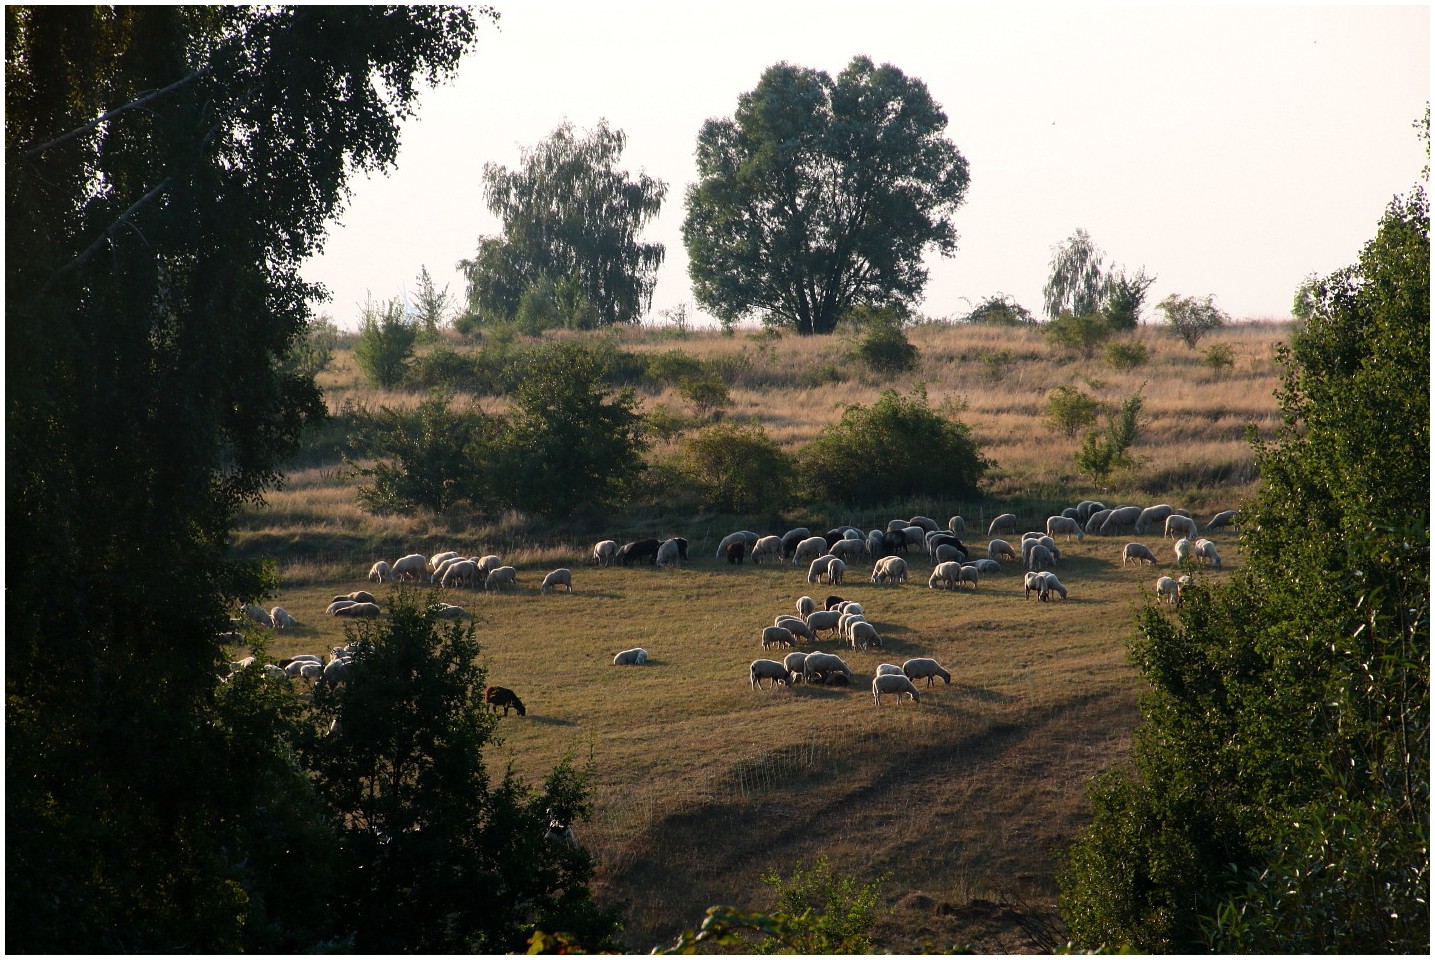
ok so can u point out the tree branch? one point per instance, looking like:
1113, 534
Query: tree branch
109, 114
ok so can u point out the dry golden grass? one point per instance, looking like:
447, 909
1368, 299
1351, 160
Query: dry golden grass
702, 784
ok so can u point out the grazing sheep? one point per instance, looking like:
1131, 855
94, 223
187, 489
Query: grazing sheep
767, 548
791, 539
947, 551
1182, 549
760, 670
412, 567
915, 536
488, 564
1179, 526
849, 606
1138, 552
738, 537
734, 552
635, 657
334, 608
1095, 522
1066, 525
884, 669
1120, 520
1226, 518
925, 668
437, 559
835, 569
445, 566
957, 527
794, 662
968, 573
796, 625
946, 573
1205, 550
501, 577
496, 697
1150, 515
562, 577
559, 830
381, 572
605, 552
667, 553
1166, 590
1039, 557
777, 637
926, 523
1085, 509
805, 606
890, 570
1036, 581
818, 568
1006, 523
336, 671
809, 550
459, 573
997, 549
258, 614
282, 619
893, 683
1054, 584
646, 549
309, 671
824, 666
823, 620
833, 602
864, 635
358, 610
849, 551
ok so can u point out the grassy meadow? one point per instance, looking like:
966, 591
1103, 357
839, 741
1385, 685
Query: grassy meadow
964, 801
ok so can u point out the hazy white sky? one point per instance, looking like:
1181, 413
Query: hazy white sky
1229, 150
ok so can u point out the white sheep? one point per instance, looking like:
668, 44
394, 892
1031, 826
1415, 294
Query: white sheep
668, 554
809, 550
334, 608
890, 570
1182, 550
967, 573
738, 537
1226, 518
1035, 580
1121, 519
947, 573
884, 669
766, 548
500, 577
358, 596
864, 635
445, 565
1097, 519
336, 671
805, 606
488, 564
1178, 525
381, 572
1038, 557
605, 552
1150, 515
1166, 590
947, 551
446, 611
310, 671
849, 606
412, 567
824, 665
777, 637
849, 551
1205, 550
796, 625
817, 569
358, 610
823, 620
258, 614
282, 619
925, 668
794, 662
915, 536
760, 670
635, 657
437, 559
562, 577
893, 683
835, 570
1066, 525
996, 549
1054, 584
461, 572
1006, 523
1138, 552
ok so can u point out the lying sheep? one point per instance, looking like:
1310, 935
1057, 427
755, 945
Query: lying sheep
381, 572
824, 666
760, 670
947, 574
635, 657
359, 596
1205, 550
1066, 525
446, 611
1226, 518
997, 549
925, 668
334, 608
1180, 526
893, 683
495, 697
282, 619
1005, 523
562, 577
412, 567
501, 577
605, 552
358, 610
985, 565
1138, 552
1166, 591
777, 637
767, 548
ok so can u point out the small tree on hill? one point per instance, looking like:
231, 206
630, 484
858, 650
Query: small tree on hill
1104, 452
1191, 318
1080, 334
883, 347
385, 345
1074, 286
737, 468
1069, 410
1123, 296
432, 306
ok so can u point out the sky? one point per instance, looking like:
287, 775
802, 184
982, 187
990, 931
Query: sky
1231, 151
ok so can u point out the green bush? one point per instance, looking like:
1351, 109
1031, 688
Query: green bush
1001, 311
671, 367
1079, 334
1127, 355
385, 345
1070, 410
707, 393
1219, 358
425, 459
824, 913
1191, 318
445, 368
883, 347
898, 448
737, 468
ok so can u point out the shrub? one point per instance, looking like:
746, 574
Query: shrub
897, 448
1127, 355
884, 348
1079, 334
1002, 311
737, 468
448, 369
819, 375
1069, 410
670, 367
1191, 319
425, 459
824, 913
707, 393
1104, 452
385, 345
996, 363
1219, 358
1124, 295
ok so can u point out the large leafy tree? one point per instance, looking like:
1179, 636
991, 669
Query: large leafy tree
168, 169
1279, 798
821, 194
571, 222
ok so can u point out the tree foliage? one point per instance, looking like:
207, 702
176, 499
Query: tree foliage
736, 468
429, 458
1069, 410
571, 222
1081, 334
1191, 318
432, 307
1279, 799
821, 194
897, 448
167, 171
1123, 295
883, 347
1000, 310
384, 348
1103, 452
1075, 283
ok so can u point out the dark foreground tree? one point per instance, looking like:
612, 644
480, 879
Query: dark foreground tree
436, 857
1279, 795
571, 221
819, 195
167, 171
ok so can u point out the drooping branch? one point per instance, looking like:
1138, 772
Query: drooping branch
110, 114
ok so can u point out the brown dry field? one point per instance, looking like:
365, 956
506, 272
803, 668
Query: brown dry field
966, 801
